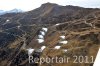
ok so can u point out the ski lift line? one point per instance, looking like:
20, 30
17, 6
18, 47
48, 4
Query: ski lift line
43, 47
14, 56
17, 54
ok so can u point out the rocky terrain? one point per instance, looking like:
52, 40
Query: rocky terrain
80, 26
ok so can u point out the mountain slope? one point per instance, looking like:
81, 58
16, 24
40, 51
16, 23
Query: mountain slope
81, 26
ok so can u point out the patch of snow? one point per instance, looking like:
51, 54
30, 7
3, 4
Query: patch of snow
24, 45
43, 47
57, 24
63, 42
57, 47
65, 50
18, 27
45, 29
62, 37
90, 24
42, 33
85, 22
7, 20
40, 40
40, 36
30, 51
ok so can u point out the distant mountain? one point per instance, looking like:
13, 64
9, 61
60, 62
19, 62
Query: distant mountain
14, 11
2, 12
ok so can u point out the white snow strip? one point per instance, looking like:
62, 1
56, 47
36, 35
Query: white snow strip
62, 37
40, 36
30, 51
45, 29
57, 47
63, 42
43, 47
42, 33
40, 40
97, 60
